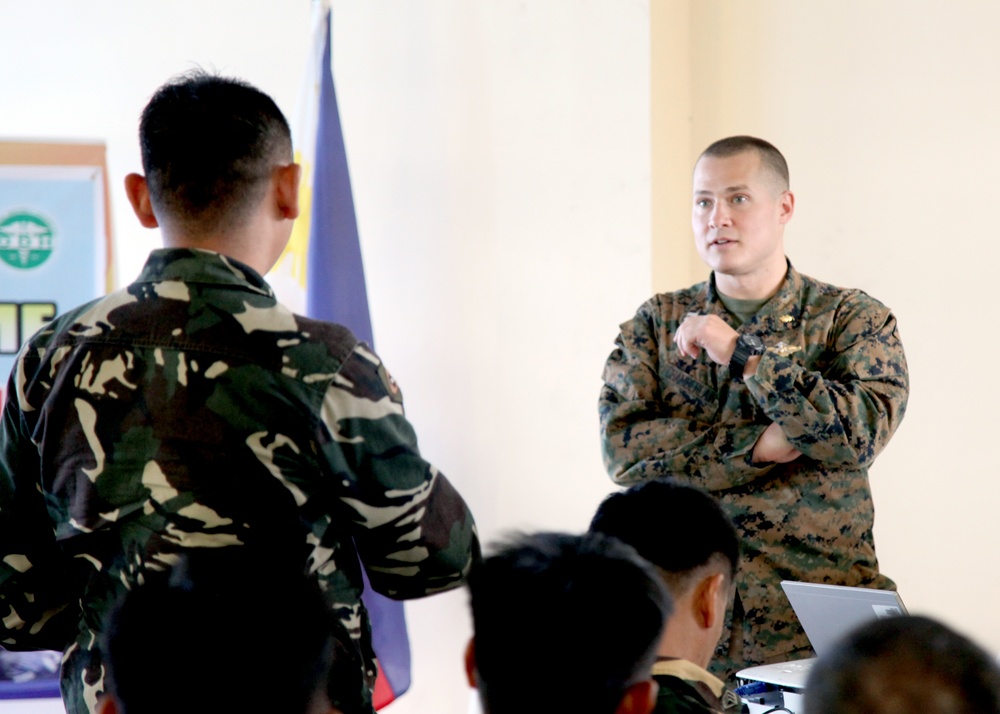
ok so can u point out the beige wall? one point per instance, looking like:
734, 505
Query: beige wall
500, 154
887, 112
500, 157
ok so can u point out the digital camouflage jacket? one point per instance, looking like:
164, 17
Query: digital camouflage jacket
833, 376
191, 410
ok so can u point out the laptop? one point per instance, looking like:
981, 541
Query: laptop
827, 613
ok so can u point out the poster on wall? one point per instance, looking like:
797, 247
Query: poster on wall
55, 238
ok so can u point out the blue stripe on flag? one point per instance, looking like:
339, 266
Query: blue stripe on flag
336, 292
335, 276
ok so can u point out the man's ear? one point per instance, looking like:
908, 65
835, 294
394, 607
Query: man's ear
287, 180
787, 207
640, 698
107, 704
470, 663
137, 191
708, 599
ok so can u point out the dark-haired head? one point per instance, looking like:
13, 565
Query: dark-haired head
579, 615
209, 145
226, 632
677, 527
907, 663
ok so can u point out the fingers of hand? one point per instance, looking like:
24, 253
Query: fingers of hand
687, 341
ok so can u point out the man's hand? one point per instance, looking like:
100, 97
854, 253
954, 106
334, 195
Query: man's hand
706, 332
773, 445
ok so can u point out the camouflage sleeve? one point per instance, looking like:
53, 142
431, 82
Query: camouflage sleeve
413, 531
661, 422
844, 415
37, 595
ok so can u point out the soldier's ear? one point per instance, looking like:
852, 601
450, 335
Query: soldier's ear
107, 704
470, 663
137, 191
640, 698
787, 204
286, 180
709, 595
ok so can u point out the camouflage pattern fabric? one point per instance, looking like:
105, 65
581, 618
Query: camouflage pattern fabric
686, 688
833, 376
191, 410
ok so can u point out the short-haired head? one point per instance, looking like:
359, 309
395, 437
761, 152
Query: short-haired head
905, 663
678, 527
209, 145
583, 612
227, 638
771, 160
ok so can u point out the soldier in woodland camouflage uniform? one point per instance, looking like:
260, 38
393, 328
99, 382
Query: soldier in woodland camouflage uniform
191, 410
773, 391
683, 531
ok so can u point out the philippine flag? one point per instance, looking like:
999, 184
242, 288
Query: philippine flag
321, 275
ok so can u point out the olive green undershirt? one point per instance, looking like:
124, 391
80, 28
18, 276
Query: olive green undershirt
743, 310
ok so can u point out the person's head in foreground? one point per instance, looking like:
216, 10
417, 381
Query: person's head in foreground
219, 173
683, 531
564, 623
228, 633
903, 664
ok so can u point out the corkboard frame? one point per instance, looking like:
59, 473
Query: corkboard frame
73, 154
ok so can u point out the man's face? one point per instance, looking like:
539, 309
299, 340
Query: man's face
738, 215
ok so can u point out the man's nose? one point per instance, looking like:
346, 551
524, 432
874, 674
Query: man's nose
719, 217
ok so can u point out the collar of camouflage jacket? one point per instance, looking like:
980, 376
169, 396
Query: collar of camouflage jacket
782, 312
195, 265
682, 669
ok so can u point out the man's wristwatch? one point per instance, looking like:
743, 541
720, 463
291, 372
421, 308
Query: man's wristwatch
747, 346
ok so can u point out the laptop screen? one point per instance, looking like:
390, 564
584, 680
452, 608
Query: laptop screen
828, 612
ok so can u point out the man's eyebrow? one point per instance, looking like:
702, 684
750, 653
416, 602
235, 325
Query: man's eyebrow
728, 189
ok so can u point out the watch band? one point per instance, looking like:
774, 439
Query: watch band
747, 346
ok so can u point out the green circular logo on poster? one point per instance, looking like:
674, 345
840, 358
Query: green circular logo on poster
25, 240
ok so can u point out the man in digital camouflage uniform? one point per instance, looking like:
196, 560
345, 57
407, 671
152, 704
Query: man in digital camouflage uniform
684, 532
773, 391
191, 410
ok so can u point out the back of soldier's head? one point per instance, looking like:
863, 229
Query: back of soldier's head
677, 527
228, 635
209, 145
904, 664
563, 623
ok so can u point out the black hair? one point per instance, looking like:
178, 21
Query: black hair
905, 663
209, 144
228, 632
676, 526
583, 612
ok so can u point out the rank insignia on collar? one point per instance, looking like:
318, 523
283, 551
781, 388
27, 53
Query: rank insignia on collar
390, 384
786, 319
784, 350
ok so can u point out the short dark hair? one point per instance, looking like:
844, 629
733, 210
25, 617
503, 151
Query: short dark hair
228, 633
582, 611
906, 663
208, 146
770, 157
676, 526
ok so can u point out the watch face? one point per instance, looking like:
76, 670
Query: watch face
754, 342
